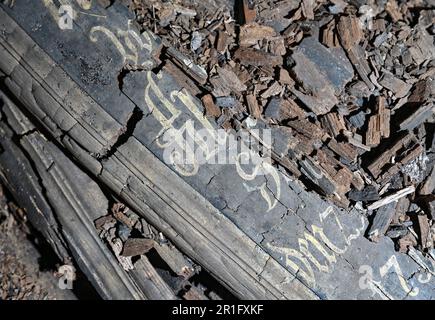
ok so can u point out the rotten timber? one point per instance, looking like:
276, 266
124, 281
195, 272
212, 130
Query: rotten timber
250, 258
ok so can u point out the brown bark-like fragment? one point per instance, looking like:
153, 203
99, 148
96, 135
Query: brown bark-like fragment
333, 123
211, 110
424, 230
222, 41
379, 124
255, 57
254, 109
136, 246
399, 87
249, 13
182, 79
349, 31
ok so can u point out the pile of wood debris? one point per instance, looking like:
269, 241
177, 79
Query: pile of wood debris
346, 85
150, 258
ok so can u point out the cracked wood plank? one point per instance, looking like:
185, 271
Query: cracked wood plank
273, 214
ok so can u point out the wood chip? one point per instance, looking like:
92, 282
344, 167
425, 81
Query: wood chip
136, 247
255, 57
211, 110
391, 198
251, 33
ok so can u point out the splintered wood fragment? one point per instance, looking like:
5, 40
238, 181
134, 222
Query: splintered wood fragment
384, 158
419, 116
222, 42
136, 247
182, 79
251, 33
308, 9
100, 222
284, 77
409, 155
273, 90
424, 229
188, 66
428, 186
379, 124
355, 140
329, 35
249, 13
345, 150
255, 57
254, 109
381, 221
125, 262
230, 79
277, 46
399, 87
289, 165
307, 128
407, 242
422, 90
349, 31
373, 134
393, 10
400, 210
211, 110
341, 176
357, 57
391, 198
333, 123
301, 145
384, 115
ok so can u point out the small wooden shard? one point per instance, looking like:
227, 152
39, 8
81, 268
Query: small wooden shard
391, 198
251, 33
182, 79
211, 110
230, 79
249, 13
255, 57
254, 109
379, 124
428, 186
377, 165
424, 230
419, 116
307, 128
284, 77
273, 90
187, 65
333, 123
350, 32
136, 246
222, 42
381, 222
345, 150
308, 9
399, 87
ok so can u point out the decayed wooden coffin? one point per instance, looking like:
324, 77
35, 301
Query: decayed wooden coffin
251, 225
